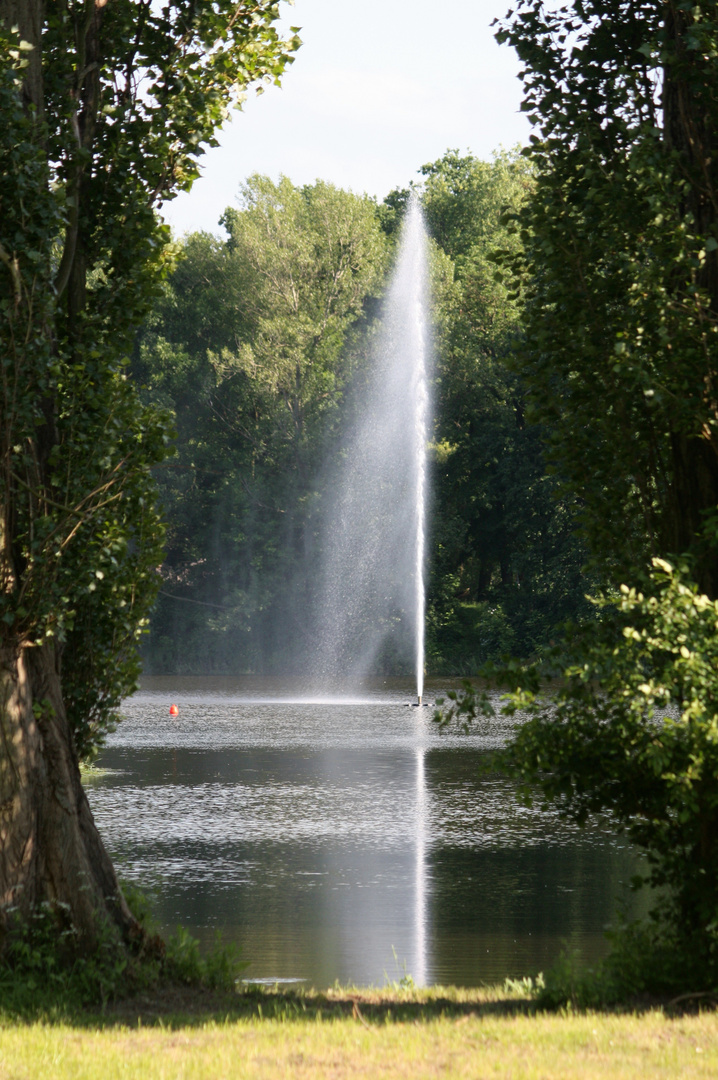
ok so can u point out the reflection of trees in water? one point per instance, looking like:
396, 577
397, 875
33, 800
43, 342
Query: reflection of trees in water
544, 889
510, 910
518, 885
309, 857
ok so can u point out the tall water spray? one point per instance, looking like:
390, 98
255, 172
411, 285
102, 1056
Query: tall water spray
370, 615
415, 239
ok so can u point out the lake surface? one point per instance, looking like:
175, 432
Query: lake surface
345, 840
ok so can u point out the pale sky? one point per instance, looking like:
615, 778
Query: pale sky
379, 88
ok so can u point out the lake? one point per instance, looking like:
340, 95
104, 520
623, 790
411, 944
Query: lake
345, 840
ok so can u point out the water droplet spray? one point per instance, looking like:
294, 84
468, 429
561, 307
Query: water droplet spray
372, 594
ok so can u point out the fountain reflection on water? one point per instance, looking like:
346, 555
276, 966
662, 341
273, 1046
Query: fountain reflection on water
321, 838
421, 962
325, 833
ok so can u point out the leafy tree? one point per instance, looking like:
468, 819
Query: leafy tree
507, 568
252, 346
618, 266
310, 257
105, 110
618, 271
631, 733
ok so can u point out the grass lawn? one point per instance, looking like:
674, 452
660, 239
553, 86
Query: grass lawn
348, 1033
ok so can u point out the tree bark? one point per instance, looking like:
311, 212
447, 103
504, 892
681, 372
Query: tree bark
689, 110
693, 492
689, 120
50, 849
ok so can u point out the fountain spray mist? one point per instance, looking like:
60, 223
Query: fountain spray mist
417, 245
371, 609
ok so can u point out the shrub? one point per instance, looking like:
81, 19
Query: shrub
631, 730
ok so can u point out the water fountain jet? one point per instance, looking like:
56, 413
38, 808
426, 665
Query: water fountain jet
371, 608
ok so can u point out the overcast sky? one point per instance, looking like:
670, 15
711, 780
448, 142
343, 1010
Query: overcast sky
378, 88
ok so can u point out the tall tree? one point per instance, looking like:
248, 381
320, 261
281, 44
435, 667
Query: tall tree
311, 257
619, 268
251, 347
105, 110
507, 568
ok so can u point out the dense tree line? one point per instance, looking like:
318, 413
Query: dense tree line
507, 568
616, 265
252, 347
261, 344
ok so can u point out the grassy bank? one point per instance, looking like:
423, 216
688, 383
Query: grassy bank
350, 1034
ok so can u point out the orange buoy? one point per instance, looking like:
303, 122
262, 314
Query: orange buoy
174, 711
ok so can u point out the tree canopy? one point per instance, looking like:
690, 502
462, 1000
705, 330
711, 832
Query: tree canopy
618, 269
253, 346
506, 562
617, 273
261, 345
106, 111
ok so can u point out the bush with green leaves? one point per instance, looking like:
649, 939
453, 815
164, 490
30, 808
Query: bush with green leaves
45, 971
630, 730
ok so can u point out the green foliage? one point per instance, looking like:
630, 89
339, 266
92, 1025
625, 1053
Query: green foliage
218, 970
42, 968
464, 199
631, 731
306, 261
260, 347
89, 151
466, 635
617, 269
646, 961
80, 533
44, 971
613, 258
253, 346
500, 537
527, 986
178, 959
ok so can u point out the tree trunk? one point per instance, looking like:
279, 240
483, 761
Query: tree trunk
688, 110
693, 493
50, 849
